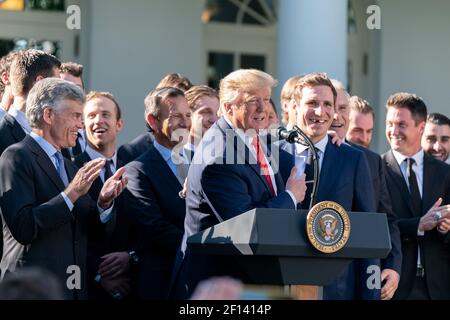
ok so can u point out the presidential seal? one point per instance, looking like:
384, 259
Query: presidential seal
328, 226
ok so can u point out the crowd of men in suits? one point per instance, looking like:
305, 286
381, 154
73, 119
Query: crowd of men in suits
70, 197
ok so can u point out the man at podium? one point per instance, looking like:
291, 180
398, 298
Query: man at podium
230, 174
344, 175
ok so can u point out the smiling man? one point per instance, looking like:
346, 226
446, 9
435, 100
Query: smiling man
221, 187
344, 172
436, 137
204, 104
43, 197
110, 245
152, 196
419, 186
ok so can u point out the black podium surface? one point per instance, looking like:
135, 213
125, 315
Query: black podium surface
271, 245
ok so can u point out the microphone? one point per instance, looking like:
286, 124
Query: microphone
290, 136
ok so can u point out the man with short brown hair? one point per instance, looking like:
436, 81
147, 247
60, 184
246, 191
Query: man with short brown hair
362, 119
204, 104
419, 187
6, 97
27, 68
72, 72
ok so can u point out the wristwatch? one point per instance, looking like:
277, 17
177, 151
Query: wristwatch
133, 256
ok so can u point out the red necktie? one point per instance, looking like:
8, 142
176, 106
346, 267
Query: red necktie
262, 162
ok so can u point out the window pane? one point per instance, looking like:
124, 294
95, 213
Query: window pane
220, 11
48, 46
48, 5
253, 61
219, 65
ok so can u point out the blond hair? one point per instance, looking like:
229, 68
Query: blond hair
243, 80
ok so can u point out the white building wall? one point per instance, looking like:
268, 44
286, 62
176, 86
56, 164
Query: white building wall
415, 54
132, 45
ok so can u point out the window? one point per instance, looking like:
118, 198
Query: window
250, 12
48, 46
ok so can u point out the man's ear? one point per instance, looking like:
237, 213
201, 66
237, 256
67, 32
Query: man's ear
39, 78
47, 116
227, 108
422, 127
152, 121
119, 125
5, 78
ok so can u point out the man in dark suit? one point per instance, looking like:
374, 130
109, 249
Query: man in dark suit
132, 150
27, 68
111, 252
43, 198
344, 174
391, 266
152, 195
220, 188
419, 186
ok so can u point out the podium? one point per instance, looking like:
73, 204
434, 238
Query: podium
272, 247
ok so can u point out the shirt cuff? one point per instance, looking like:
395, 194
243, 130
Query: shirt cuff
105, 215
292, 197
67, 200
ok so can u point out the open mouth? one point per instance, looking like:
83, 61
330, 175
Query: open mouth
100, 131
259, 118
317, 121
337, 125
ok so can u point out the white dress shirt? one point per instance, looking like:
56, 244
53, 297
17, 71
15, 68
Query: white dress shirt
302, 154
95, 155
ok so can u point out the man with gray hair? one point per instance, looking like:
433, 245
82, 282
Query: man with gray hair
43, 199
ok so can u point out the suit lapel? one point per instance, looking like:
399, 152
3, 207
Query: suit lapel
161, 168
44, 162
397, 176
430, 189
249, 159
328, 172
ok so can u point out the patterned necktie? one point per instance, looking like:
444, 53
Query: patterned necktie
61, 169
263, 163
309, 172
416, 199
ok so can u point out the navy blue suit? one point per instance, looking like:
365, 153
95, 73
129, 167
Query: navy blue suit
218, 191
131, 151
151, 197
343, 179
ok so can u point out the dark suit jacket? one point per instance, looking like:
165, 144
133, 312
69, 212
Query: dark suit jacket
343, 179
131, 151
383, 202
152, 198
436, 249
40, 230
218, 191
10, 132
118, 234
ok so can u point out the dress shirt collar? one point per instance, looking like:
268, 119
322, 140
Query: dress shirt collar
44, 144
418, 157
93, 154
321, 146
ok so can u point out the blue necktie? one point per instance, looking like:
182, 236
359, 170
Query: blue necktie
60, 168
